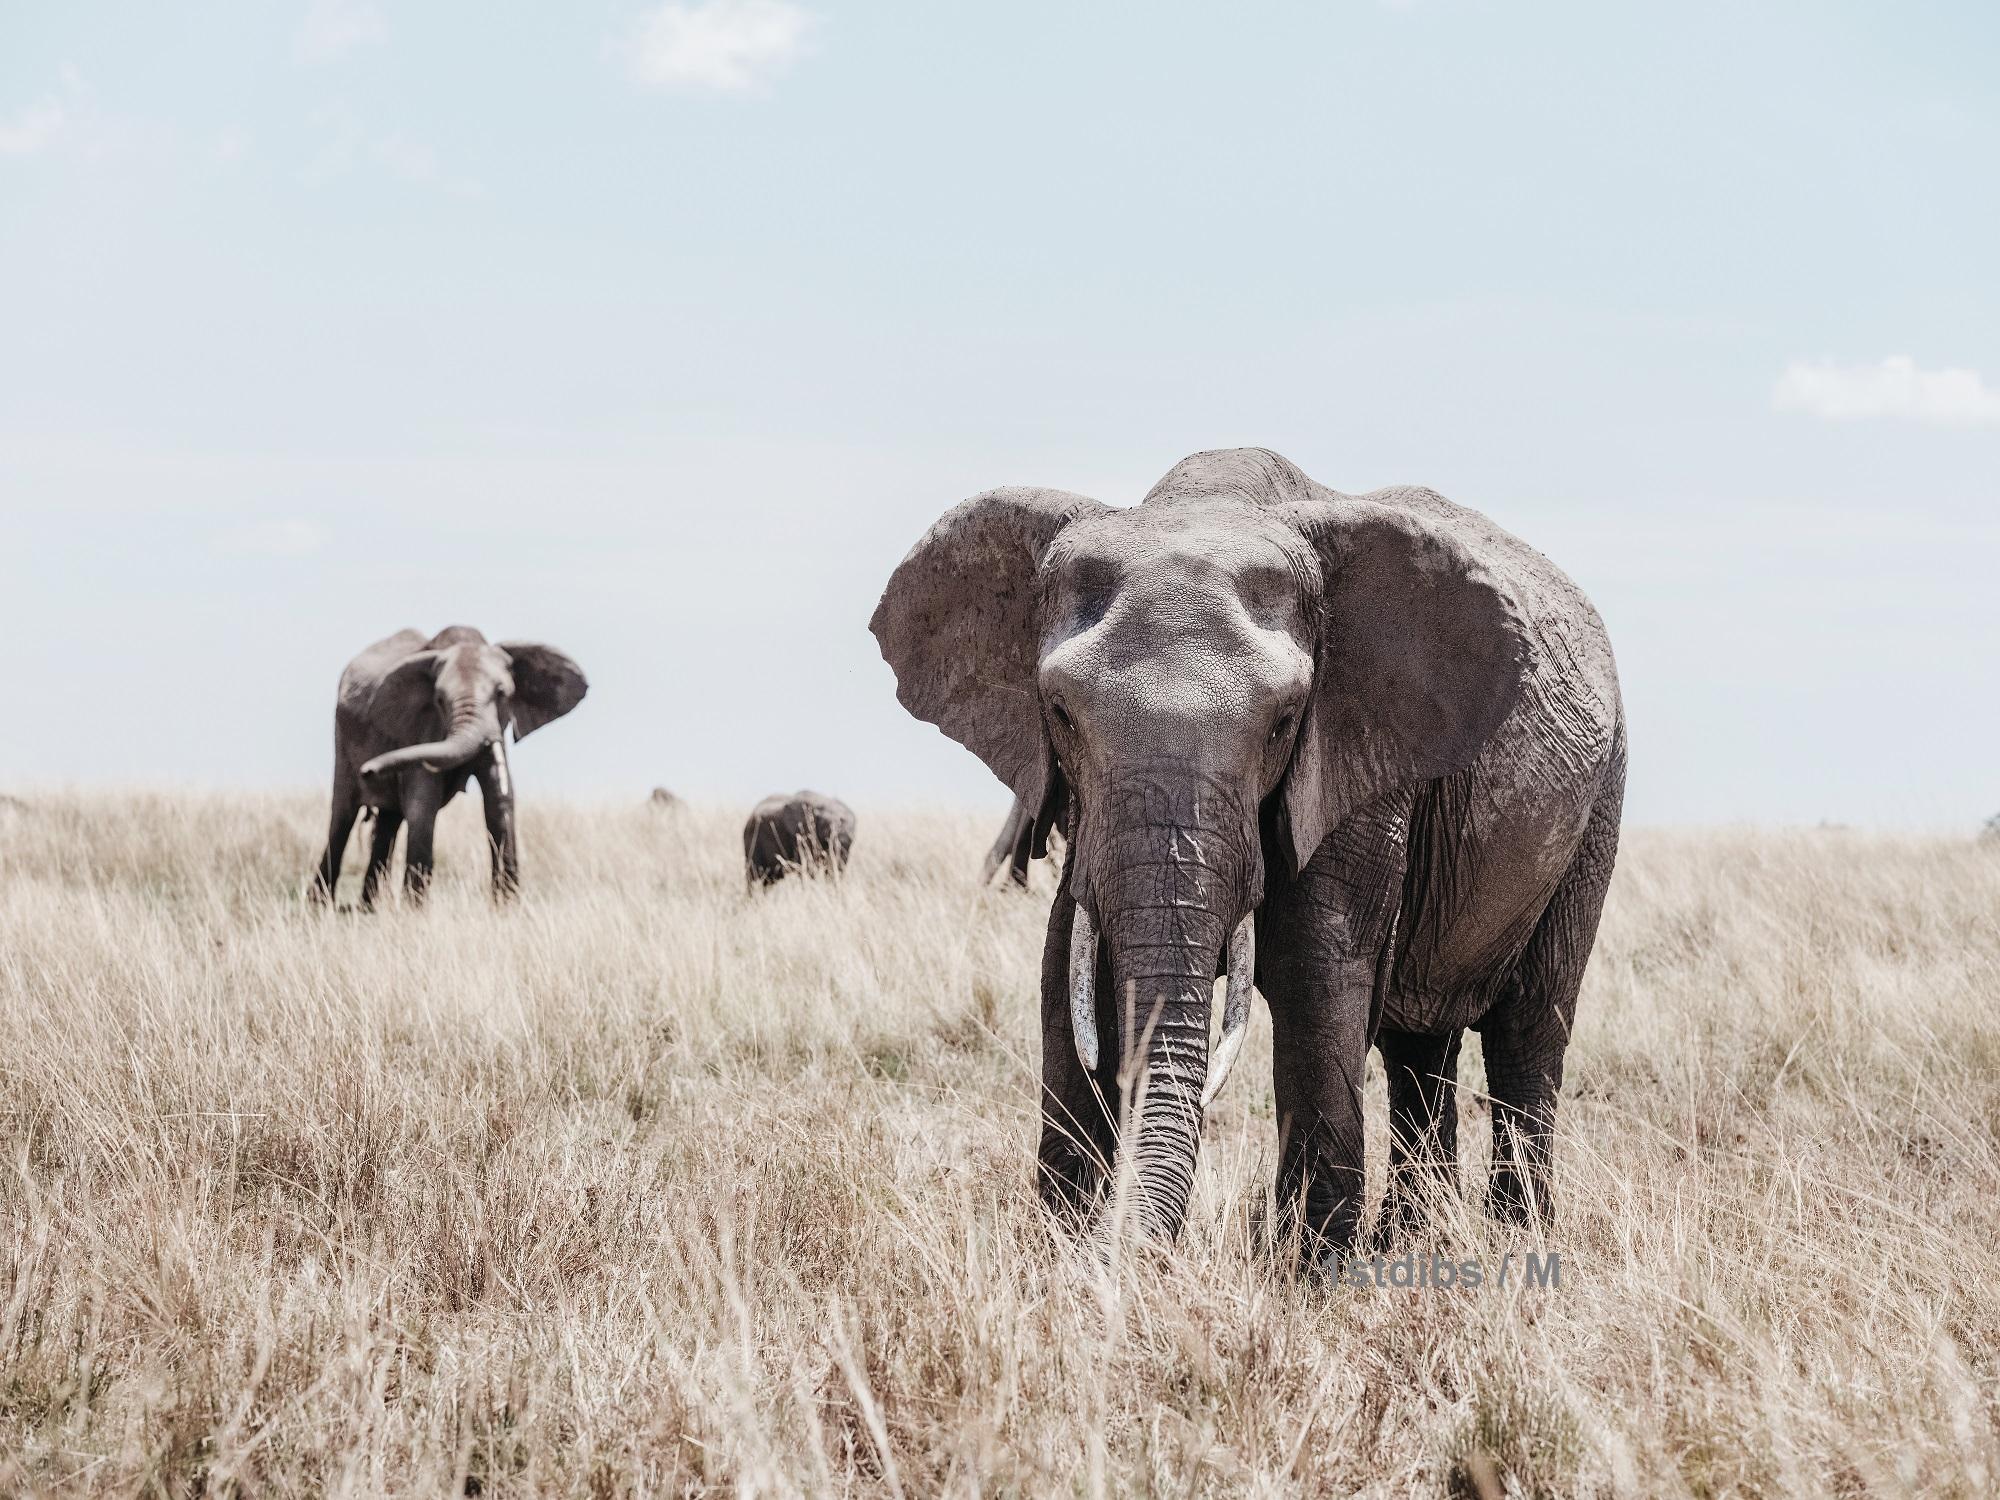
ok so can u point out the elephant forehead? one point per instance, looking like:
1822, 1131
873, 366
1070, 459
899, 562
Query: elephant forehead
1212, 569
1218, 536
472, 665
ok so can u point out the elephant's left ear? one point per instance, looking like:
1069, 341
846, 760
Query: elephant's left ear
1422, 654
547, 685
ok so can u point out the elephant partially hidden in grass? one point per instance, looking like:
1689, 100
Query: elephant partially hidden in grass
1017, 845
415, 721
805, 831
1366, 752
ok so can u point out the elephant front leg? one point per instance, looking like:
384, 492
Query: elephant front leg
421, 800
1319, 1041
346, 807
496, 787
1079, 1107
1326, 949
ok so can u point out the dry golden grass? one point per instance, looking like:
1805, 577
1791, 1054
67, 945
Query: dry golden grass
645, 1187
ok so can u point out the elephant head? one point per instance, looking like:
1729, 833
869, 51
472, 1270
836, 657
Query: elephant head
453, 699
1194, 687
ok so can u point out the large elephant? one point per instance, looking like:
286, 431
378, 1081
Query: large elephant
802, 830
1366, 752
415, 720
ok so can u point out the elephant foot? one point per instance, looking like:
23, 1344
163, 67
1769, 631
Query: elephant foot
1071, 1190
1316, 1252
1324, 1263
1395, 1226
1406, 1207
1509, 1201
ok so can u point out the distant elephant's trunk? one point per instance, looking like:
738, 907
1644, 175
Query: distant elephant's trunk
1012, 848
472, 730
1171, 901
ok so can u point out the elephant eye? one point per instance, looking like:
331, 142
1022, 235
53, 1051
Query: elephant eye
1282, 727
1062, 716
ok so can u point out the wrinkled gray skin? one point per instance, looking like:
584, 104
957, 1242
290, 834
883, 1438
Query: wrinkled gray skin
1014, 847
415, 721
805, 831
1379, 723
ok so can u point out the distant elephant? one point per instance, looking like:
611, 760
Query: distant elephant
1366, 752
806, 831
415, 720
1017, 844
665, 800
1013, 847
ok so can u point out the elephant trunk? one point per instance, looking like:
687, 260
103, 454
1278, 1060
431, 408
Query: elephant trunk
472, 729
1011, 848
1173, 914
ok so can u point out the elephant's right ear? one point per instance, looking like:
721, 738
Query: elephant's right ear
957, 625
404, 702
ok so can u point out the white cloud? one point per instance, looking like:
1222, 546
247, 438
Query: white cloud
1895, 388
291, 537
348, 145
410, 160
415, 162
725, 46
331, 29
59, 112
32, 129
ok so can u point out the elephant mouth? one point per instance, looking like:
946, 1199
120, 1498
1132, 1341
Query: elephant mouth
1242, 973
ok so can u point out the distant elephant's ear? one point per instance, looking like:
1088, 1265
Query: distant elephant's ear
957, 625
404, 702
1421, 656
547, 685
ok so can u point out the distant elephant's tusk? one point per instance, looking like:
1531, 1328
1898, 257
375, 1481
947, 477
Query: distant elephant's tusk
1083, 988
1235, 1006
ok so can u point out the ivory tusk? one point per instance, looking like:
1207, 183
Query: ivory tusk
1235, 1007
1083, 989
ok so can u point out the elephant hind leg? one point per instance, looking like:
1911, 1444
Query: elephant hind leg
1527, 1032
1423, 1124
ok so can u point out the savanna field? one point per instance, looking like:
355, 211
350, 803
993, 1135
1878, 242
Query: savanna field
645, 1187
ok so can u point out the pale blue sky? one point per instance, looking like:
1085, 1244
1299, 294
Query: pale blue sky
660, 333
